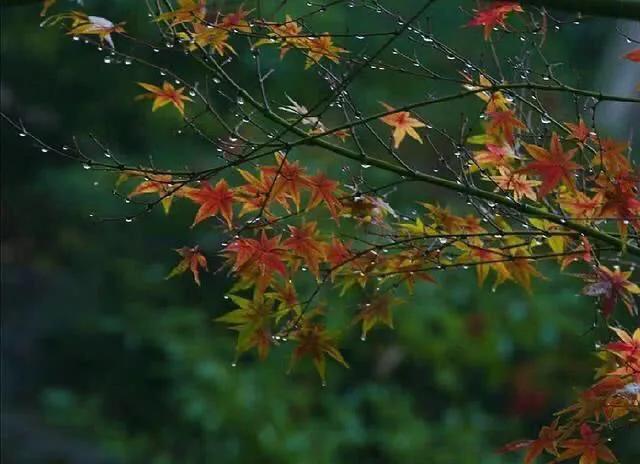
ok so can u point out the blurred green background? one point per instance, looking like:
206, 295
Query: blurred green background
103, 361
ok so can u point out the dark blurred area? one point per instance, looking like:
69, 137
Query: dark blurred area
105, 361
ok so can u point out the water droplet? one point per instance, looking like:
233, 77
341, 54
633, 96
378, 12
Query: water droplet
86, 166
365, 166
44, 150
127, 61
360, 37
363, 337
544, 119
128, 220
22, 134
240, 101
234, 364
107, 59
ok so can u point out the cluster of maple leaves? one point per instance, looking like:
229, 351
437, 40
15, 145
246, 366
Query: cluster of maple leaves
575, 174
578, 430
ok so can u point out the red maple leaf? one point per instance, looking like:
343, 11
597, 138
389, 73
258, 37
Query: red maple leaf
611, 285
506, 121
553, 165
265, 254
589, 447
633, 55
213, 201
493, 16
324, 190
303, 243
192, 260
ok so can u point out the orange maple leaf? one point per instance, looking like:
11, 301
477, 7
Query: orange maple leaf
164, 95
403, 124
517, 183
546, 441
213, 201
589, 447
322, 47
188, 11
160, 184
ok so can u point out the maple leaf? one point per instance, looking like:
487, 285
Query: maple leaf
584, 253
95, 25
192, 260
252, 321
495, 101
494, 156
304, 244
236, 21
580, 206
546, 441
160, 184
485, 259
553, 165
403, 124
286, 179
287, 297
504, 122
611, 285
320, 47
164, 95
443, 218
521, 269
628, 347
255, 193
324, 190
336, 254
418, 228
188, 11
612, 157
377, 311
621, 200
314, 341
493, 16
204, 36
213, 201
287, 35
579, 132
589, 447
633, 55
517, 183
264, 254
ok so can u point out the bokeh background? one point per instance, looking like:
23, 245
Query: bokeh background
103, 361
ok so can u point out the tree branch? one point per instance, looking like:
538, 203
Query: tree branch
629, 9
